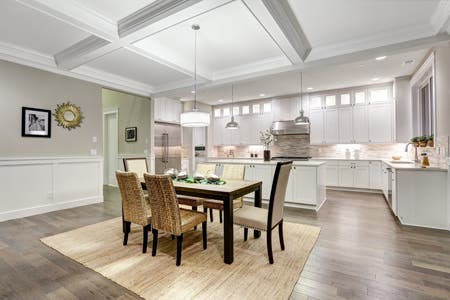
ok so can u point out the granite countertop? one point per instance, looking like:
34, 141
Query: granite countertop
308, 163
415, 166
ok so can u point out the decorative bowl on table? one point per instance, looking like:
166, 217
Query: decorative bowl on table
198, 177
182, 175
212, 178
171, 172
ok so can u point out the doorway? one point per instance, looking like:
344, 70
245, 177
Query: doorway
110, 149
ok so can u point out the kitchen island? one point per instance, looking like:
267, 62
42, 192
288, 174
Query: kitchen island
307, 181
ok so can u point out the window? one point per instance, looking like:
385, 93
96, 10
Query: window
379, 95
217, 113
360, 97
345, 99
267, 107
256, 108
330, 100
315, 102
426, 119
226, 112
236, 110
245, 110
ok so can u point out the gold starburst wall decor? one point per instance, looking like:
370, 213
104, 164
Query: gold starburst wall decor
68, 115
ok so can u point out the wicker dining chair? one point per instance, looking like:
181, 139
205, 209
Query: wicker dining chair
135, 206
267, 219
230, 172
167, 216
137, 165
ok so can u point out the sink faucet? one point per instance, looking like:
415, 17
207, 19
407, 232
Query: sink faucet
416, 156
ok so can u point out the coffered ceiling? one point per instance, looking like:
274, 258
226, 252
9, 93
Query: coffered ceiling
146, 46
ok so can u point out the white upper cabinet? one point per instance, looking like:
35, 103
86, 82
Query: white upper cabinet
316, 118
345, 99
331, 126
345, 125
315, 102
360, 124
359, 97
199, 136
167, 110
330, 101
380, 123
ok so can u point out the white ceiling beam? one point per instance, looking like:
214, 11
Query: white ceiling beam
72, 13
280, 22
440, 20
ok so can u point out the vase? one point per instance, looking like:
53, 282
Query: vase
266, 155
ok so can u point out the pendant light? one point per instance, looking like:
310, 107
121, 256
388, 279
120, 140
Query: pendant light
232, 124
301, 119
195, 118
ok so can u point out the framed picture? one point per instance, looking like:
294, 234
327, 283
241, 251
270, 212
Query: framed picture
36, 122
131, 134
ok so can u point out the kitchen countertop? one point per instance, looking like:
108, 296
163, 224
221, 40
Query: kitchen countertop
415, 166
306, 163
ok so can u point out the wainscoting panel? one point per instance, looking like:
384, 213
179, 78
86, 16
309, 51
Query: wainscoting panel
36, 185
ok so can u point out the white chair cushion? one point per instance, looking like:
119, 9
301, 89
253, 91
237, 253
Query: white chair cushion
251, 217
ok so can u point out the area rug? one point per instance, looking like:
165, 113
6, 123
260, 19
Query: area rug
202, 274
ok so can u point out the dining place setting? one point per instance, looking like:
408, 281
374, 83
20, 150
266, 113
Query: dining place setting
169, 203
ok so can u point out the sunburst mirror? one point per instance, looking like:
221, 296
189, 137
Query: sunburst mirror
68, 115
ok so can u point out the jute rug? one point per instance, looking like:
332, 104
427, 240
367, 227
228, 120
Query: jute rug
202, 274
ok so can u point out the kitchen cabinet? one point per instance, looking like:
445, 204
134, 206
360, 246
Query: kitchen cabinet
331, 126
380, 123
167, 110
302, 179
199, 136
375, 175
361, 175
261, 172
346, 174
345, 116
316, 118
332, 174
360, 124
354, 174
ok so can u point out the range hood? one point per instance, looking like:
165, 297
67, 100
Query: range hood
289, 128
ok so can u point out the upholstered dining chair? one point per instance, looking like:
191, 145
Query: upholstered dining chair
167, 216
267, 219
230, 172
135, 206
137, 165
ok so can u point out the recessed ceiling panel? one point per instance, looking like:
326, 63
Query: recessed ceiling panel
114, 10
27, 28
136, 67
229, 37
328, 22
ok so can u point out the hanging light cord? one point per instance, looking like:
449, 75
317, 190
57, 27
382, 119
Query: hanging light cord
301, 91
195, 70
232, 100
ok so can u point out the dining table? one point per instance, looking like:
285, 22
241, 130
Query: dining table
231, 189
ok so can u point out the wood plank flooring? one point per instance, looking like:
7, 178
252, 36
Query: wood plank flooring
362, 253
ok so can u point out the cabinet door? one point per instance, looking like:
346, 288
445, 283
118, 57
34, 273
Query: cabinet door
218, 132
346, 174
331, 126
317, 122
246, 129
265, 174
380, 123
199, 136
305, 185
375, 175
361, 177
360, 124
249, 174
290, 187
332, 174
345, 125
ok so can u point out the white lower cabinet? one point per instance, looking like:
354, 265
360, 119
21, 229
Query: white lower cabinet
307, 186
263, 173
354, 174
332, 174
375, 175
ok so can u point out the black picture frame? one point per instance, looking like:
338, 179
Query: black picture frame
36, 122
131, 134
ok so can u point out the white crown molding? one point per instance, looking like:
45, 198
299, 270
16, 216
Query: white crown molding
441, 16
287, 21
70, 12
79, 53
27, 57
152, 13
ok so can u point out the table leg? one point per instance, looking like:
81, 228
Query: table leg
123, 222
228, 238
258, 203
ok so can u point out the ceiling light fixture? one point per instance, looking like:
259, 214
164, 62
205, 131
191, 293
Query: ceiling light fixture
232, 124
380, 57
375, 79
301, 119
195, 118
262, 95
309, 88
220, 100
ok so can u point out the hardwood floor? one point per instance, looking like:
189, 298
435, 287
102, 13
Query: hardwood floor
362, 253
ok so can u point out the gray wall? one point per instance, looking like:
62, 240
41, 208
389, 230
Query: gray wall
25, 86
443, 90
134, 111
403, 116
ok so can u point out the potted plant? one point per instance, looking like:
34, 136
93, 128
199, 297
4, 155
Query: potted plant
430, 141
266, 138
423, 141
415, 140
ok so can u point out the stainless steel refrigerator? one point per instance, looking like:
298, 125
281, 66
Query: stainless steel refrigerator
167, 147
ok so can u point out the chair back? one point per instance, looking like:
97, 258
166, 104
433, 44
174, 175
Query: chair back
233, 172
163, 203
133, 202
278, 193
206, 168
137, 165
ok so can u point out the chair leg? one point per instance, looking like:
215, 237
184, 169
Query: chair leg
126, 231
220, 216
280, 233
145, 230
204, 235
155, 241
211, 215
245, 233
194, 208
269, 245
173, 237
179, 248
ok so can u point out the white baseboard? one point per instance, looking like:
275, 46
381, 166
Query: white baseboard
30, 211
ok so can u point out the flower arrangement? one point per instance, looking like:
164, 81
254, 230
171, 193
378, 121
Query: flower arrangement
266, 138
423, 141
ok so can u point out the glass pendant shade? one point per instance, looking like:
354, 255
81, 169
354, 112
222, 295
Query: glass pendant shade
194, 118
232, 124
